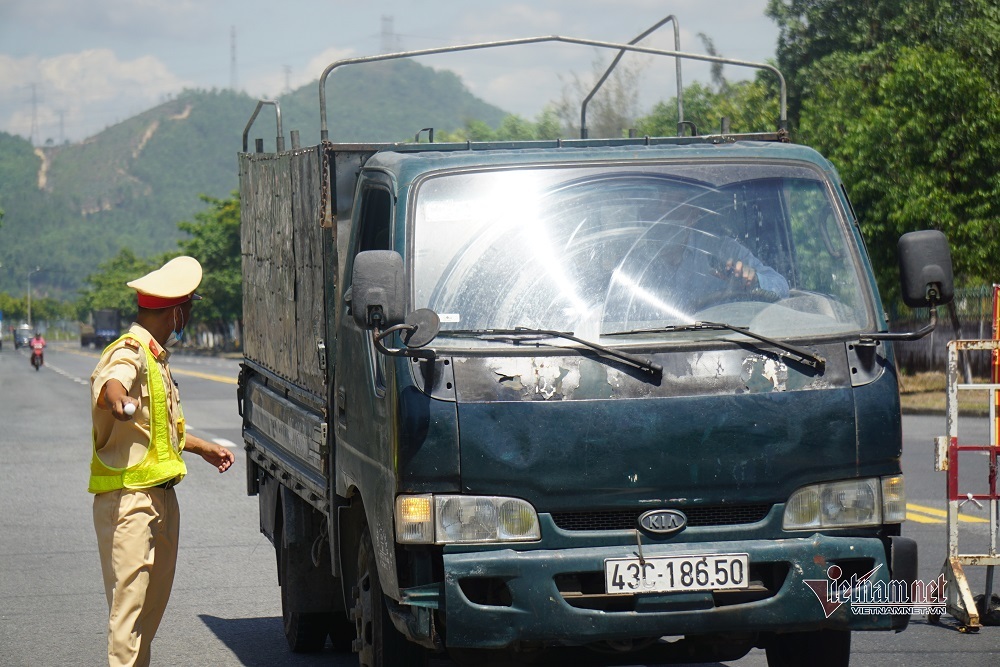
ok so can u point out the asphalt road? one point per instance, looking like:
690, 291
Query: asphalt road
225, 608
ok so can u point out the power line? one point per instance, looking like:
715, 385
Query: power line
390, 40
32, 137
233, 83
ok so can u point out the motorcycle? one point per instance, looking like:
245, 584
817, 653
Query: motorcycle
37, 358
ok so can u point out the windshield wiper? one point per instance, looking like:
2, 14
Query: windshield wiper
800, 354
642, 364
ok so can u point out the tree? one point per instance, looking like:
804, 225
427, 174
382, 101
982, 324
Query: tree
512, 128
107, 288
810, 30
47, 309
750, 106
611, 112
13, 309
547, 125
918, 149
912, 129
215, 242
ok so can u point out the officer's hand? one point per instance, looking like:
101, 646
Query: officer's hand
115, 398
124, 408
218, 456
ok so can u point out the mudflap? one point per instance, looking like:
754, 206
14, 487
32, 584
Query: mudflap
903, 563
416, 623
308, 579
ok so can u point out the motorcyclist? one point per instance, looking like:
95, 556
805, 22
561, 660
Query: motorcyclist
37, 345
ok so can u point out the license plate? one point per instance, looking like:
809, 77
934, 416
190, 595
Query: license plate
672, 574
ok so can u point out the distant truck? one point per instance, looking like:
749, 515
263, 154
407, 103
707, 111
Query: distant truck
573, 396
22, 335
105, 329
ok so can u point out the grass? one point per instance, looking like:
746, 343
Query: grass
925, 392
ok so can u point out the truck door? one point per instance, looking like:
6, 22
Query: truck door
364, 415
373, 233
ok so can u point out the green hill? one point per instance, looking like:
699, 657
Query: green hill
69, 208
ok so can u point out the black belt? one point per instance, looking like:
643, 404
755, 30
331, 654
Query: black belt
170, 483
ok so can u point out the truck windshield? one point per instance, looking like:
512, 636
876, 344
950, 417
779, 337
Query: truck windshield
618, 249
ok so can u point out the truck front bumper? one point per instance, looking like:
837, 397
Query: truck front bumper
535, 605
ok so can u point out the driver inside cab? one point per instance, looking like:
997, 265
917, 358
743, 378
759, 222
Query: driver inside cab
704, 263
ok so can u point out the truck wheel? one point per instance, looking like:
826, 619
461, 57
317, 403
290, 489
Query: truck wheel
305, 632
341, 631
378, 643
821, 648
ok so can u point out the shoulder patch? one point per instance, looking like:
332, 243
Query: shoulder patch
132, 343
154, 348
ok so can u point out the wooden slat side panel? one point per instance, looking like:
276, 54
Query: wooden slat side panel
282, 265
310, 316
254, 214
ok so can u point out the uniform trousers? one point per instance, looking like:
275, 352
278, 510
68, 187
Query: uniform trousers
137, 533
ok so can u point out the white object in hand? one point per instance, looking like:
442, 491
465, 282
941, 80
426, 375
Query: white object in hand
129, 409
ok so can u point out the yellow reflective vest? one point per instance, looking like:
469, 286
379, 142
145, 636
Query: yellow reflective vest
162, 461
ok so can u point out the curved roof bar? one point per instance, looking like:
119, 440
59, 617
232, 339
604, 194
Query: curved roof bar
614, 63
279, 142
325, 134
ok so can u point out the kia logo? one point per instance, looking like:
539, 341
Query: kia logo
663, 521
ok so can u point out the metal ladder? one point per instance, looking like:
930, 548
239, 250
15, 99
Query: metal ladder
960, 601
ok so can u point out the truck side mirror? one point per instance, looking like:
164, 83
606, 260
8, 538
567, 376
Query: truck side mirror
925, 269
377, 289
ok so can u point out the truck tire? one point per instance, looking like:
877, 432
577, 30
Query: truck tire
378, 643
820, 648
305, 632
341, 632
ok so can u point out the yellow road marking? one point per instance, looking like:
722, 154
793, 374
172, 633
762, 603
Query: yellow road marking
176, 371
204, 376
919, 518
933, 511
92, 355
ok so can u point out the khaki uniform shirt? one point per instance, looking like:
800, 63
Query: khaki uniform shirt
121, 444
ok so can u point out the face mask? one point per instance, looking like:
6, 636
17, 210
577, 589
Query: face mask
177, 334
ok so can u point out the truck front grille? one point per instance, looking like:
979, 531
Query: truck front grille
719, 515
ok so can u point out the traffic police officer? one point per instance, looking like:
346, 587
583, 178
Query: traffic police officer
138, 438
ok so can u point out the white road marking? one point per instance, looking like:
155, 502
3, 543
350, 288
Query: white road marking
59, 371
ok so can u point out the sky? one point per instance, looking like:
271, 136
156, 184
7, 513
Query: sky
71, 68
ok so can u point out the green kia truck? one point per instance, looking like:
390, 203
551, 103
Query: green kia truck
619, 400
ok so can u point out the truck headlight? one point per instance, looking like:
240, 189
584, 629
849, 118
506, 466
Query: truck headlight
456, 519
855, 502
